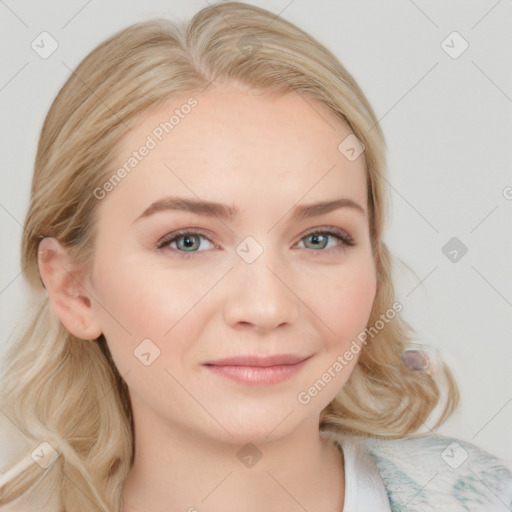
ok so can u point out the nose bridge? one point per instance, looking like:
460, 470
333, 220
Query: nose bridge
259, 293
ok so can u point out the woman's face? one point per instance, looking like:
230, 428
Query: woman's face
255, 276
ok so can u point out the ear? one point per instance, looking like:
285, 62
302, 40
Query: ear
65, 285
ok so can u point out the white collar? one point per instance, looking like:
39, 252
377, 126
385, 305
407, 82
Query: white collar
364, 489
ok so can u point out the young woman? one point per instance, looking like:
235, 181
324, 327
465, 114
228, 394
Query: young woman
217, 328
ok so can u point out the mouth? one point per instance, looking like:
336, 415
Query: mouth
258, 370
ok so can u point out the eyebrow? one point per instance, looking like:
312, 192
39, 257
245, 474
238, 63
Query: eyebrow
224, 211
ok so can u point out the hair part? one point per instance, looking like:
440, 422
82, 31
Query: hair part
68, 392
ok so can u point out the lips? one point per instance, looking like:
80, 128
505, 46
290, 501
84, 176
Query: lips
259, 360
258, 370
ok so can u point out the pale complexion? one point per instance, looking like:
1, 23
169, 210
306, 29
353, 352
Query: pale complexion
199, 300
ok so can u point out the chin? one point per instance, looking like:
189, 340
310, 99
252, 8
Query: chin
262, 424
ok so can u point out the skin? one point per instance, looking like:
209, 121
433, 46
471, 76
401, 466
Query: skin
264, 157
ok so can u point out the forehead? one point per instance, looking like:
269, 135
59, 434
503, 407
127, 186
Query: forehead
237, 147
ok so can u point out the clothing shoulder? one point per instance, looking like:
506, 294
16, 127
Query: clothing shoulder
437, 473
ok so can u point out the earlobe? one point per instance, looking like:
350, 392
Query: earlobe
64, 282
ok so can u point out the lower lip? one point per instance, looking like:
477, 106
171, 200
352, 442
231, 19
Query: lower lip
257, 375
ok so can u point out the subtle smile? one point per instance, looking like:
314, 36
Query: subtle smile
258, 370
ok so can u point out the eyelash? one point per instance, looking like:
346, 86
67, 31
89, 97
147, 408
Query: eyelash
345, 239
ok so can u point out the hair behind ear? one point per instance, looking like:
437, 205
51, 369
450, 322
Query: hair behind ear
83, 415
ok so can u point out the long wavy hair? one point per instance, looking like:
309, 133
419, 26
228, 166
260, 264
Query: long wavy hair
67, 392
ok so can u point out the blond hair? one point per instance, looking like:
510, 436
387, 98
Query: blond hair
66, 391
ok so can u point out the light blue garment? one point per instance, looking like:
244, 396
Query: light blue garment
435, 473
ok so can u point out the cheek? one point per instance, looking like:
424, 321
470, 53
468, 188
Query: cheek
349, 301
131, 306
344, 307
147, 304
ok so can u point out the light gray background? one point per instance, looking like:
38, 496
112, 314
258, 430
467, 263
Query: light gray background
448, 127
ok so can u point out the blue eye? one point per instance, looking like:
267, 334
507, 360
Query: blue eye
187, 242
320, 238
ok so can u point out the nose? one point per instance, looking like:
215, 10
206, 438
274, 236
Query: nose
260, 295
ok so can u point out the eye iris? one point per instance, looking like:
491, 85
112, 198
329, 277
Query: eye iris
315, 238
191, 242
